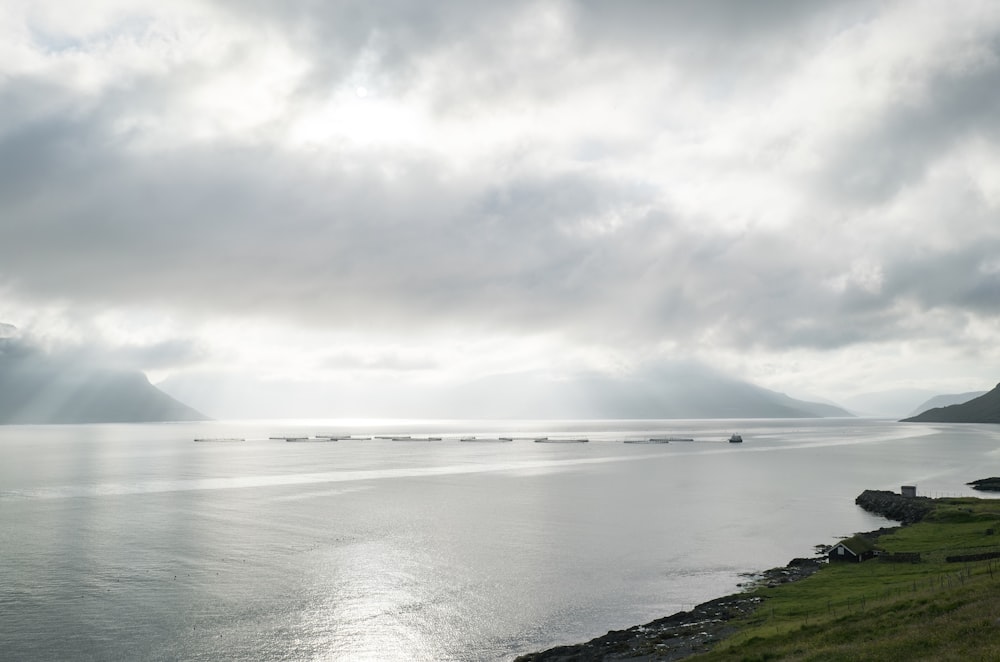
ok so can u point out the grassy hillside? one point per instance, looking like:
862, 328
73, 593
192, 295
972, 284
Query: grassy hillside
878, 610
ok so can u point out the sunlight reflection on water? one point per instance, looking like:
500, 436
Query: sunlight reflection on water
523, 468
132, 542
536, 467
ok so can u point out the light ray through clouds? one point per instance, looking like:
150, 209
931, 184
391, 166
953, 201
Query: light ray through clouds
803, 194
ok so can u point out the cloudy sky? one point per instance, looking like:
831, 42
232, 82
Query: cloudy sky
804, 194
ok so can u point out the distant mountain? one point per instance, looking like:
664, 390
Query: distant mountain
685, 390
946, 401
894, 403
39, 388
660, 390
984, 409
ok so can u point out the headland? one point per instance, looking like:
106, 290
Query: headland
926, 593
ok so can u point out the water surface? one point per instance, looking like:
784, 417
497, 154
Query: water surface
133, 542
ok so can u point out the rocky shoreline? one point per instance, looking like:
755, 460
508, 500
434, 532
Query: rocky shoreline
906, 510
679, 635
687, 633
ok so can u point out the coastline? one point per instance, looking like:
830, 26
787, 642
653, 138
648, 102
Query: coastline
687, 633
682, 634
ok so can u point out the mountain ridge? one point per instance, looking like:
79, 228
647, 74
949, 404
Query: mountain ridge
984, 409
945, 400
39, 388
661, 390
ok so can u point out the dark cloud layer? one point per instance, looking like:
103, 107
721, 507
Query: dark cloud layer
559, 229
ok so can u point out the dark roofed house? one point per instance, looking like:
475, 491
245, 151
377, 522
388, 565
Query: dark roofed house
855, 549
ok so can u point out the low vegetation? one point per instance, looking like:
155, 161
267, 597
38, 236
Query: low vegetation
894, 607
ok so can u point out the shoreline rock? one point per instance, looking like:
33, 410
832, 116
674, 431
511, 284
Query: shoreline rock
907, 510
679, 635
991, 484
687, 633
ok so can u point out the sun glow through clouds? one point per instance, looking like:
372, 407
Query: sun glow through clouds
499, 188
359, 119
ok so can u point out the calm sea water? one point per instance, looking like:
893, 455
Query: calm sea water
131, 542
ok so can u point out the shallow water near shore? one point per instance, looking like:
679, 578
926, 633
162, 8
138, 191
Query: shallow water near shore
133, 542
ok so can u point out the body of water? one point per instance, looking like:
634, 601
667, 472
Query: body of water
132, 542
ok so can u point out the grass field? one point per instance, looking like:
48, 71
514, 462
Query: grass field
880, 611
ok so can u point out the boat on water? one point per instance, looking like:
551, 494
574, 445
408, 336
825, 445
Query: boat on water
736, 439
655, 440
477, 439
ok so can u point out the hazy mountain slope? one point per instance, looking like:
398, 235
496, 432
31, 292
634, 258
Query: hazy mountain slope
689, 391
663, 390
946, 401
984, 409
38, 388
893, 403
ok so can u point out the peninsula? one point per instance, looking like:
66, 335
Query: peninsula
984, 409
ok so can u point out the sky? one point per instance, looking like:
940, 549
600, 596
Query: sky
288, 202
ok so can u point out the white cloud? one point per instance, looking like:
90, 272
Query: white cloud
523, 186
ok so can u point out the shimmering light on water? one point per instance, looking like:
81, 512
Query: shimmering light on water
132, 542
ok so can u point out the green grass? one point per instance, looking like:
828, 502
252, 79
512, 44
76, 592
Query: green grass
878, 611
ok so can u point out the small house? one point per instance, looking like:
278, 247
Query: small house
854, 549
909, 491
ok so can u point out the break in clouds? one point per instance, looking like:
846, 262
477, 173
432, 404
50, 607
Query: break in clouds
724, 178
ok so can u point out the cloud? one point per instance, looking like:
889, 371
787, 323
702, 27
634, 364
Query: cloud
643, 177
393, 362
61, 355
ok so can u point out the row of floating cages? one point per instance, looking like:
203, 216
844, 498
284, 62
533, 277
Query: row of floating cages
539, 440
